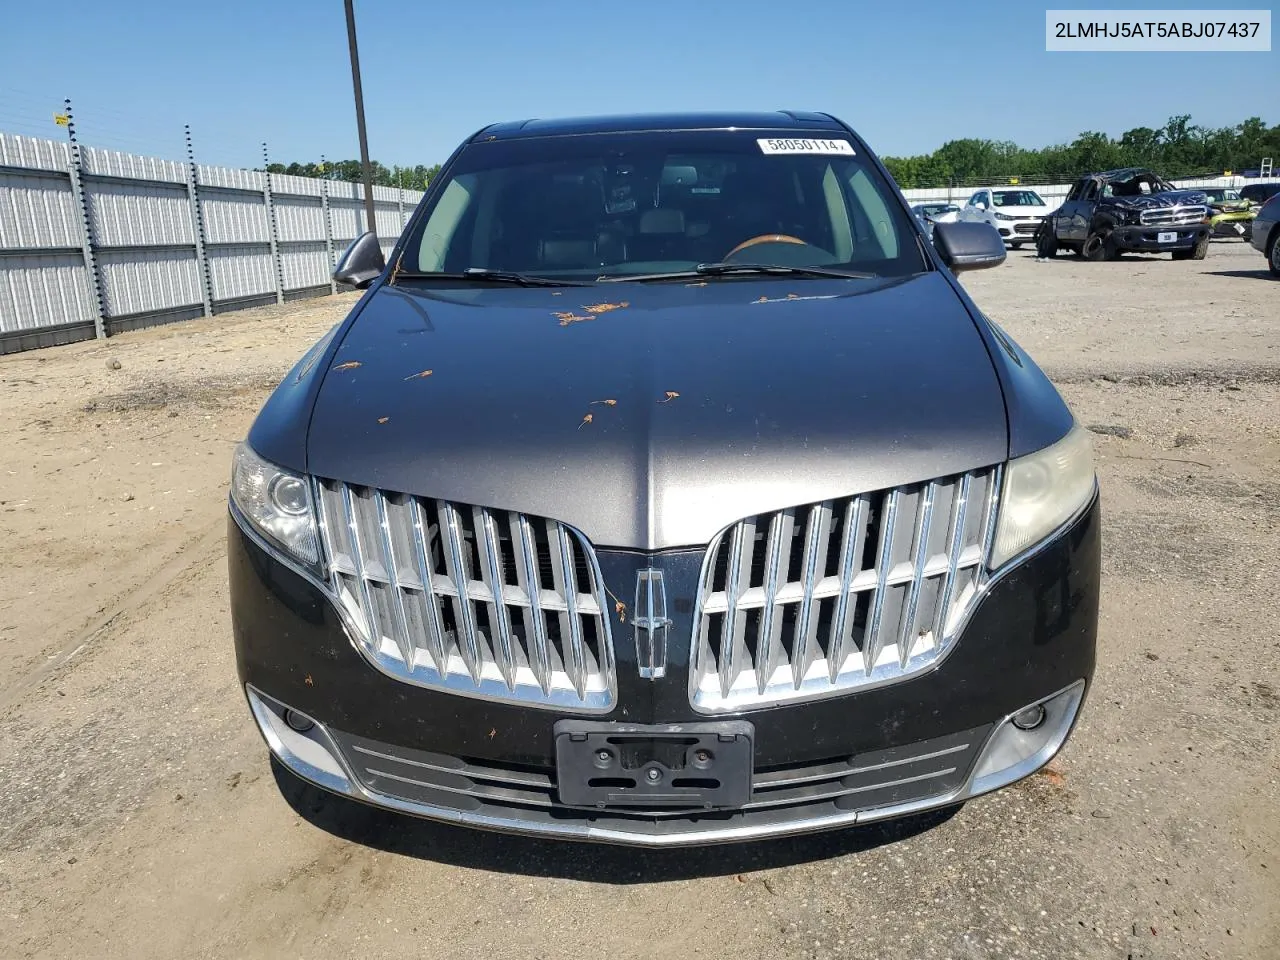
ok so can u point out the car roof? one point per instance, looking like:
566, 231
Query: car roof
1123, 173
635, 123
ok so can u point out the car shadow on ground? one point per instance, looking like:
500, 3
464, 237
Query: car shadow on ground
1260, 274
596, 863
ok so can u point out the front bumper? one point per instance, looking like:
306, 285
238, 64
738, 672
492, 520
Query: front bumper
930, 741
1147, 239
1018, 231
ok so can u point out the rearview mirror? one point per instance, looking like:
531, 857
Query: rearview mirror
361, 263
968, 245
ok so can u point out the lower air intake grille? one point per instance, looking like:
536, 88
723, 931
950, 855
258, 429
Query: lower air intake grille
475, 601
812, 601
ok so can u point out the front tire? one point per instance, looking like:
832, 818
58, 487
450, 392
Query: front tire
1273, 253
1098, 246
1046, 243
1015, 245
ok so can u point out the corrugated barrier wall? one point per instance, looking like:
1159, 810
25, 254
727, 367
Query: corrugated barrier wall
94, 241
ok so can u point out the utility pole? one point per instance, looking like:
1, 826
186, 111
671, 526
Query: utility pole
364, 140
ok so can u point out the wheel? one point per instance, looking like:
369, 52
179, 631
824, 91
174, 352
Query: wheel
1098, 246
1273, 253
1015, 245
1046, 242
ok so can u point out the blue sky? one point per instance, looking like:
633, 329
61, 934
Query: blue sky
908, 75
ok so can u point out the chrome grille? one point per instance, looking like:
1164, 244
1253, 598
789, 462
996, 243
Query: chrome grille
812, 601
479, 602
1174, 216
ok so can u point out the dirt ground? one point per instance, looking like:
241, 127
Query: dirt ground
139, 816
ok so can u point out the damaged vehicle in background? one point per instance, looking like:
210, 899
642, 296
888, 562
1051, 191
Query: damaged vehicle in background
931, 213
1127, 211
666, 487
1230, 215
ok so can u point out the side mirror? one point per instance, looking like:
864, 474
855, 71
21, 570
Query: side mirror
980, 205
968, 245
361, 263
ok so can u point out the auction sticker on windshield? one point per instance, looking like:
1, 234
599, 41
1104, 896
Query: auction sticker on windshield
805, 145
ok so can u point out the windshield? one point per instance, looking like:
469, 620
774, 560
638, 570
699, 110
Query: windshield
1017, 198
590, 206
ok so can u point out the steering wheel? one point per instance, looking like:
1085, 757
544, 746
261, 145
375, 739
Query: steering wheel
765, 238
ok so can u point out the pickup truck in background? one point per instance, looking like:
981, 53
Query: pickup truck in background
1129, 210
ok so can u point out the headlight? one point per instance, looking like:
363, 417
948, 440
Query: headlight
1041, 492
1005, 216
276, 502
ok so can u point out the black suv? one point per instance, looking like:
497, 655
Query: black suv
1259, 193
1134, 210
665, 488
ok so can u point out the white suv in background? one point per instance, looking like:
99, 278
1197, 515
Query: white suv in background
1014, 211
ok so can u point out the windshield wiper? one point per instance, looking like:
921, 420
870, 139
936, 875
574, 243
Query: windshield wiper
485, 274
744, 269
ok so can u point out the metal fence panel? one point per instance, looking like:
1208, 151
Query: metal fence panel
238, 272
43, 290
37, 209
304, 266
139, 214
148, 281
234, 217
134, 243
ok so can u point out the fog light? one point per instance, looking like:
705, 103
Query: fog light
302, 724
1029, 718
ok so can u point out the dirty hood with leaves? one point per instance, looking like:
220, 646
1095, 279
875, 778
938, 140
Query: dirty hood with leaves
652, 415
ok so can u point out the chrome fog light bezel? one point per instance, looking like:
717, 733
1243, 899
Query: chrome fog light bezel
310, 753
1012, 753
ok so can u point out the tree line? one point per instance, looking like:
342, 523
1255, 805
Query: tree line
410, 178
1180, 148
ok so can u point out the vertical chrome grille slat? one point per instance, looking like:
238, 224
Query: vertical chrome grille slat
851, 542
780, 529
575, 652
920, 545
535, 627
456, 564
817, 526
499, 620
874, 642
955, 543
408, 587
437, 647
402, 640
371, 618
911, 563
731, 631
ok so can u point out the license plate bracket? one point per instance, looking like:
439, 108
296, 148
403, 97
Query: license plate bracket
699, 766
1170, 236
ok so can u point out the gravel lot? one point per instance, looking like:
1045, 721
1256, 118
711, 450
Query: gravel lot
140, 817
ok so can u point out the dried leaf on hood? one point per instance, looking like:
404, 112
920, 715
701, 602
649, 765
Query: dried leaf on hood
421, 375
567, 317
669, 396
599, 308
349, 365
585, 420
383, 419
607, 403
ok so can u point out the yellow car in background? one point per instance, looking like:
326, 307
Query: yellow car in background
1230, 215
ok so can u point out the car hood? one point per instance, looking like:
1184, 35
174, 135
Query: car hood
654, 415
1167, 198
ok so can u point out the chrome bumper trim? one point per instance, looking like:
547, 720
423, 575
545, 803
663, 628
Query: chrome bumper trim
314, 757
